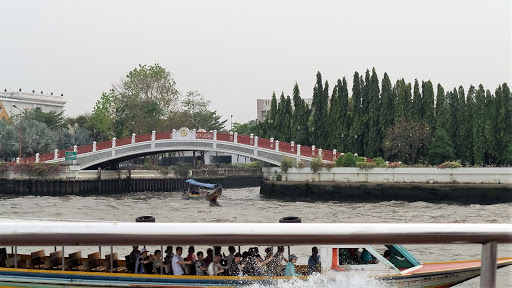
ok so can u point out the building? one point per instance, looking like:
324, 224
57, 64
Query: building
12, 103
263, 106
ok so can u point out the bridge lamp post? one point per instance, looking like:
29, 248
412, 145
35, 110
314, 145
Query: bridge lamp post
14, 106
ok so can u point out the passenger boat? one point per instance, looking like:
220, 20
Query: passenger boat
401, 269
198, 190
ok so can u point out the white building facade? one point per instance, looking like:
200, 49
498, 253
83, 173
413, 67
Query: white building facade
13, 102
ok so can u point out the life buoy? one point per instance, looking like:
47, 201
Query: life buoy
145, 219
290, 219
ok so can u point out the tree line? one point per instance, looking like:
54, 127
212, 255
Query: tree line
408, 122
146, 99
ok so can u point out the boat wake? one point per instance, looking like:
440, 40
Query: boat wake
330, 280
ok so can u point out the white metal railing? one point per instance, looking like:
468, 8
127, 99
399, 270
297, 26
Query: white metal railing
42, 233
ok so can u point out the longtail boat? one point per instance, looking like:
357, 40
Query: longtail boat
198, 190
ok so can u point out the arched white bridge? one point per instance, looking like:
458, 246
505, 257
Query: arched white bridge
267, 150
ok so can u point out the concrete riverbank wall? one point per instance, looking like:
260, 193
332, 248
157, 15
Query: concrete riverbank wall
462, 185
40, 187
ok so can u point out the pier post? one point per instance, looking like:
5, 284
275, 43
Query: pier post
489, 265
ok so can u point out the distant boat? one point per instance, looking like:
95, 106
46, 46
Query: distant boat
198, 190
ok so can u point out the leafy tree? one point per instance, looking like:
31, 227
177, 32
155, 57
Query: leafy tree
387, 108
490, 103
356, 129
442, 116
334, 118
403, 140
417, 102
427, 91
67, 138
52, 119
320, 112
441, 149
102, 117
454, 108
36, 138
503, 136
402, 91
245, 128
197, 114
481, 127
8, 141
271, 119
374, 137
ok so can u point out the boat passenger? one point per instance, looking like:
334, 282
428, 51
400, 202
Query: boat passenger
201, 268
261, 265
157, 262
190, 269
368, 258
314, 261
168, 260
178, 261
231, 255
209, 257
275, 266
130, 264
214, 269
392, 258
141, 261
236, 266
289, 269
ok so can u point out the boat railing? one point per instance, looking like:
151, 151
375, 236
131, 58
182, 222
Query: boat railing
42, 233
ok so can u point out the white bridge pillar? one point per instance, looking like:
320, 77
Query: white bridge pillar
94, 146
153, 137
235, 137
37, 157
133, 138
277, 145
293, 147
114, 146
298, 149
55, 154
313, 150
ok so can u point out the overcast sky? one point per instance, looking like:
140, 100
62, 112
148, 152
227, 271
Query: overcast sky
234, 52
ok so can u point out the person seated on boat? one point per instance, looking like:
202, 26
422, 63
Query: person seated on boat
201, 267
368, 258
190, 269
261, 265
168, 260
209, 257
230, 256
195, 190
157, 262
289, 269
215, 268
275, 266
178, 262
393, 259
236, 266
141, 261
314, 261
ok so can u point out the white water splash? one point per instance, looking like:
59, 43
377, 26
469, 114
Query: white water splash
351, 279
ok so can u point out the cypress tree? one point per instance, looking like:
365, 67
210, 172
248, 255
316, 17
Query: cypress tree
334, 119
300, 118
428, 103
319, 111
288, 111
374, 138
481, 127
469, 119
297, 109
280, 122
365, 102
344, 111
441, 109
270, 120
503, 135
403, 101
453, 120
357, 114
441, 149
387, 108
490, 105
417, 102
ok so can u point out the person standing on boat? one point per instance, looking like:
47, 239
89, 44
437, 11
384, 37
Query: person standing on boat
231, 255
201, 268
214, 269
190, 269
168, 259
314, 261
157, 262
177, 262
289, 269
236, 266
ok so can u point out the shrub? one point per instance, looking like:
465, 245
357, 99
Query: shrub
349, 160
394, 165
316, 164
450, 164
339, 160
37, 169
360, 159
277, 175
287, 163
328, 165
379, 162
366, 165
301, 164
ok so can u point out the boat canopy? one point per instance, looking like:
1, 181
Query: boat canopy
400, 251
207, 185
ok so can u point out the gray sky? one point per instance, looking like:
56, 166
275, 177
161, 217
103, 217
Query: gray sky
234, 52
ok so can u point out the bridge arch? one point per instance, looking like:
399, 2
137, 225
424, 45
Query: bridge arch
266, 150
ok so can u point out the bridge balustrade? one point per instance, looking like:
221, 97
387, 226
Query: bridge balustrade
285, 147
204, 135
123, 141
84, 149
28, 160
244, 139
264, 143
163, 135
142, 138
103, 145
306, 151
224, 137
46, 157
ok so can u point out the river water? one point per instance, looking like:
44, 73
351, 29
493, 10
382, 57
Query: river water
247, 205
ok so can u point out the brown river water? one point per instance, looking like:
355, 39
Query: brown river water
247, 205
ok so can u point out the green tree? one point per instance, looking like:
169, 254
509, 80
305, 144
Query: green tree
374, 138
356, 129
52, 119
402, 91
69, 137
300, 122
334, 120
417, 102
503, 114
387, 108
244, 128
102, 117
8, 141
442, 116
454, 109
441, 149
320, 112
427, 91
36, 138
481, 127
403, 140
